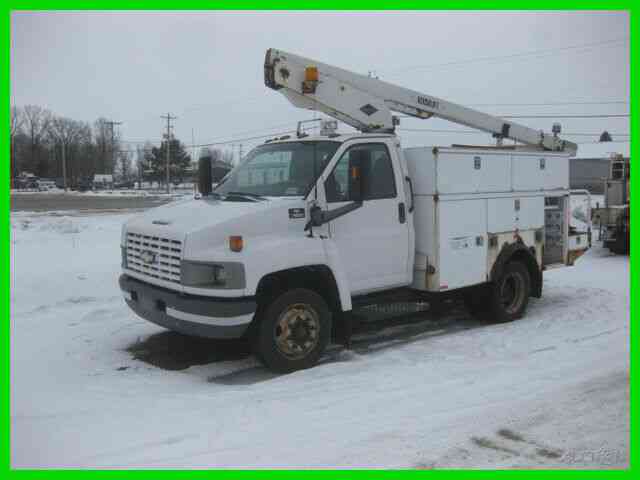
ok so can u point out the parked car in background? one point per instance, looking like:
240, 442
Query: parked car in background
45, 184
124, 184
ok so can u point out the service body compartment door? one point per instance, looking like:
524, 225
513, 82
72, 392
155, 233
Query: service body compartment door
472, 172
509, 214
463, 243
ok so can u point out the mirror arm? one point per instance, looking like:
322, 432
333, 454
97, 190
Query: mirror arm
327, 216
338, 212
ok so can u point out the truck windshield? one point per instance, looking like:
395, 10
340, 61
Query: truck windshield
279, 170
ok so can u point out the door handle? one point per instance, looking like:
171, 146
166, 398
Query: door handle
408, 179
402, 214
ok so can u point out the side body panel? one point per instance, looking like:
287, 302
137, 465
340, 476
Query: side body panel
470, 202
463, 243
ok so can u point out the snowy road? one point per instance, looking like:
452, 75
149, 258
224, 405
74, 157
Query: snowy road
90, 201
549, 390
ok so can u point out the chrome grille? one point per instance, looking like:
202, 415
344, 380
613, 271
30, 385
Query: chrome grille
165, 254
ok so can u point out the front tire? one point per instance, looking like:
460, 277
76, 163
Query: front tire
293, 331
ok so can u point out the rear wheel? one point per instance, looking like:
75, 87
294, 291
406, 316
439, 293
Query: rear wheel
620, 245
509, 294
293, 331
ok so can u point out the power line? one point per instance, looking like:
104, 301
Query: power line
614, 115
587, 46
284, 133
247, 139
612, 141
288, 132
479, 132
558, 115
510, 56
548, 104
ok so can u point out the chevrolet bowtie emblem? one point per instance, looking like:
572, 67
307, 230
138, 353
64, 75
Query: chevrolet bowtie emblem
147, 256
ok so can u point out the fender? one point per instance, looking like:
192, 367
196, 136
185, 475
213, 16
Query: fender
519, 251
283, 253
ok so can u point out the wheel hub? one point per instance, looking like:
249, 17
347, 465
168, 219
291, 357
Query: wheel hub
296, 331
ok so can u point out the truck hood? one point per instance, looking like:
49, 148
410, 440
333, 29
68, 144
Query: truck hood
179, 219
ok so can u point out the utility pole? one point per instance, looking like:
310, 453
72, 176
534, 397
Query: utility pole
62, 141
113, 143
64, 164
168, 117
240, 154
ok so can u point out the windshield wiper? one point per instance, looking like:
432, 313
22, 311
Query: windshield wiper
248, 195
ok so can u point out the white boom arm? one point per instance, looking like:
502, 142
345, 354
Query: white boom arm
366, 103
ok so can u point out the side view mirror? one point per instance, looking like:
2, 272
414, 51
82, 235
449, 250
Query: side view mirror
356, 175
317, 218
205, 179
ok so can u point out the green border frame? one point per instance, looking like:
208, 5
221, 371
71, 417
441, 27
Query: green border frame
5, 42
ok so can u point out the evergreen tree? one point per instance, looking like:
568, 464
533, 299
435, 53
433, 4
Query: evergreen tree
156, 161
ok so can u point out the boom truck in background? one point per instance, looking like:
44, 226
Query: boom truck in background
613, 218
307, 228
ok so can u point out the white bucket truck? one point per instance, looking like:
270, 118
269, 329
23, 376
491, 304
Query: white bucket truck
306, 226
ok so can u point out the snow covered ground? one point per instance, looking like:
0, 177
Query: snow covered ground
549, 390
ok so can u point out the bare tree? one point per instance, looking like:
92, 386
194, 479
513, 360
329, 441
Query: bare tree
67, 133
107, 142
36, 121
16, 126
16, 121
124, 165
143, 153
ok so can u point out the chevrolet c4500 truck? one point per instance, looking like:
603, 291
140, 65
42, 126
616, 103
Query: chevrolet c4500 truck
307, 226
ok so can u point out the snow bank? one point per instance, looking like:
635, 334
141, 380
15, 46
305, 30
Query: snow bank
109, 193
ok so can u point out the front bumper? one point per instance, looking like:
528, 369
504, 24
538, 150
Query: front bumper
211, 317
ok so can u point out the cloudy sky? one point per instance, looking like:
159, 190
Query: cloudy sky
207, 67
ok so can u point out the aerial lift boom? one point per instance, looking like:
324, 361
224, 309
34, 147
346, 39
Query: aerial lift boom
366, 103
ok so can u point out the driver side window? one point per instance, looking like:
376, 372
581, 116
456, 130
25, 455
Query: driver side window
336, 187
379, 179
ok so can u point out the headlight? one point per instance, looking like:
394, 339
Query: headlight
212, 275
219, 275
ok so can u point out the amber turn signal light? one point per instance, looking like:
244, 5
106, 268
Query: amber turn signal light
235, 243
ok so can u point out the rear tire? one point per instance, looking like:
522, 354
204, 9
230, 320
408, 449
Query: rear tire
621, 244
509, 294
293, 332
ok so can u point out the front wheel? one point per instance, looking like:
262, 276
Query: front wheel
293, 332
509, 294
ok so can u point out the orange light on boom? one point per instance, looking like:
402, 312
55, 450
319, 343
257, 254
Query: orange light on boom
311, 74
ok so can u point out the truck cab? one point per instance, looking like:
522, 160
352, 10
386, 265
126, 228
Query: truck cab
206, 266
